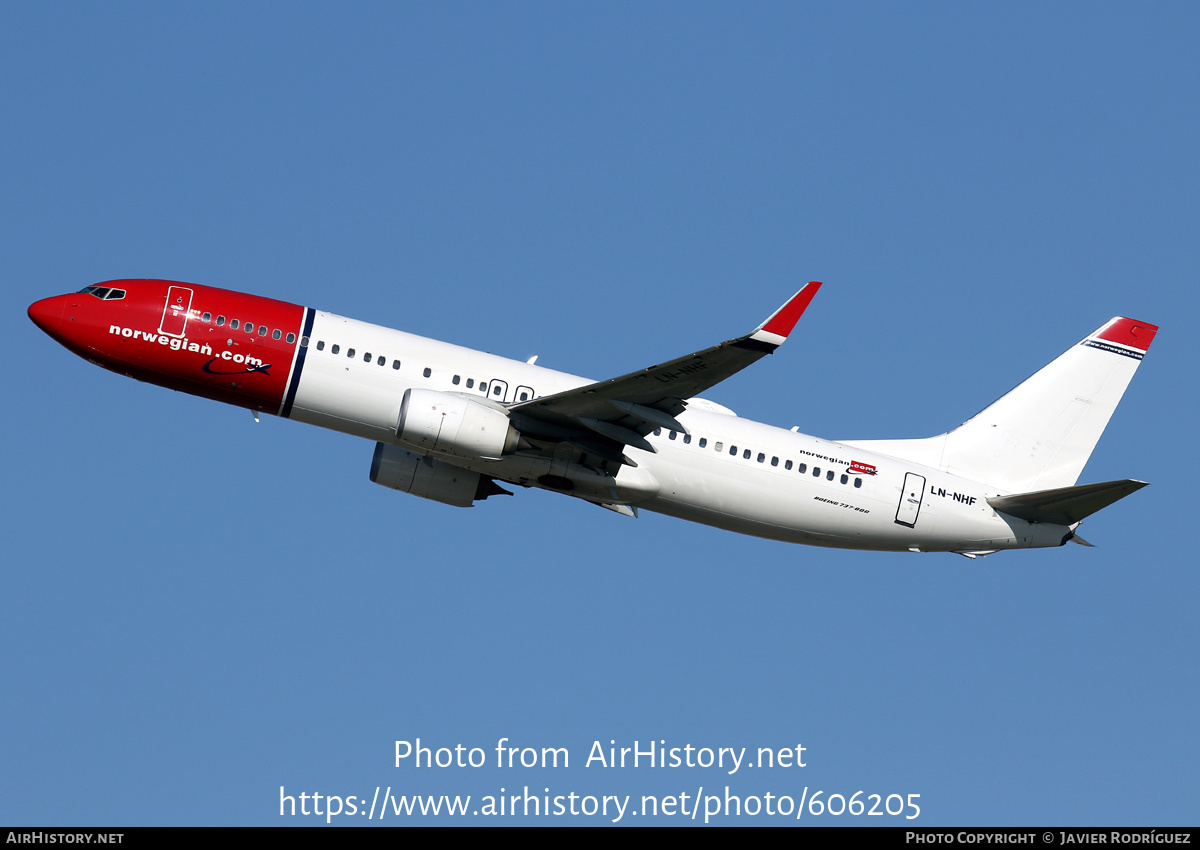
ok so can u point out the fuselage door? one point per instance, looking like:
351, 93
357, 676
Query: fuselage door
498, 391
910, 499
175, 313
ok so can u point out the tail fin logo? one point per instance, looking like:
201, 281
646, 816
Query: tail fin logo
1114, 349
1125, 336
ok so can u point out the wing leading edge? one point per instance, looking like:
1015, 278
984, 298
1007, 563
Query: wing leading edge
603, 417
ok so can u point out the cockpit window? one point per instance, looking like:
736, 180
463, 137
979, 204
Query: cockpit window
104, 293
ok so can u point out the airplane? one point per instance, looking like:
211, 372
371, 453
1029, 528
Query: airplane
451, 424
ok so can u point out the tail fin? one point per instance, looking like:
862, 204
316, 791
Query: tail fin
1040, 435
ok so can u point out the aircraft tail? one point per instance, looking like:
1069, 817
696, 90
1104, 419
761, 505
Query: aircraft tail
1039, 435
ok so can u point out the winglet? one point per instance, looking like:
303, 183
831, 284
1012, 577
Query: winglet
776, 328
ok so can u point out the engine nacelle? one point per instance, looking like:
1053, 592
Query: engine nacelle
429, 478
451, 424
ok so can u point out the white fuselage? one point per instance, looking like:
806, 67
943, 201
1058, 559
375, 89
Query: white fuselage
727, 472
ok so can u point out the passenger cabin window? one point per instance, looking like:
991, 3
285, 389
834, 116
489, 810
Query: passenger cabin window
845, 478
717, 447
249, 328
816, 472
367, 357
762, 457
671, 435
395, 364
829, 475
381, 361
320, 345
335, 348
207, 317
427, 372
704, 442
262, 331
687, 438
787, 464
220, 321
470, 383
292, 338
733, 451
350, 353
802, 468
857, 482
276, 334
233, 324
774, 461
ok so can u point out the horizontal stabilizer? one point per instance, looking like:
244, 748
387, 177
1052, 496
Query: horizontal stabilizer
1066, 505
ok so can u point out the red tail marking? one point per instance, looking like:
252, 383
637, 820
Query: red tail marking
1129, 332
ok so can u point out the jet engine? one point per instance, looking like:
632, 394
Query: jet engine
430, 478
451, 424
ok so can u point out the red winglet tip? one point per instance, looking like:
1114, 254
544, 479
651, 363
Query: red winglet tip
785, 317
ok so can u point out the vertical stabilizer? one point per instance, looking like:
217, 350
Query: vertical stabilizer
1040, 435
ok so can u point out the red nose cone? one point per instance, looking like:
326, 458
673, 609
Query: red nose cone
47, 314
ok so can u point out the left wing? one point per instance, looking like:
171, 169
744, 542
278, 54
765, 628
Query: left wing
604, 417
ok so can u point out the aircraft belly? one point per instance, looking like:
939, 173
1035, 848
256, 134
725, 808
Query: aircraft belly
763, 503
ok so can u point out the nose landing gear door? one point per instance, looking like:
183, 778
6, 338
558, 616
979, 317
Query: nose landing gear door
175, 313
910, 499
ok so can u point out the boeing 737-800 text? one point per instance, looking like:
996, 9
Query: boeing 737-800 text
449, 422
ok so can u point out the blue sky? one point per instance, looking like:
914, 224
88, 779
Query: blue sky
197, 610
